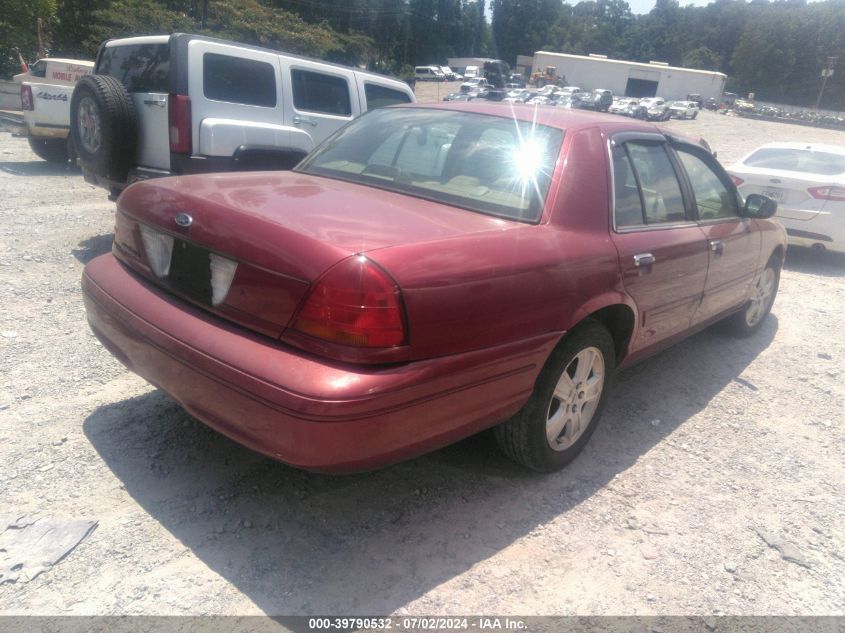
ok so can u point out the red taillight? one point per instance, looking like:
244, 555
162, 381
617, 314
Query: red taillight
832, 193
356, 303
26, 98
736, 180
179, 119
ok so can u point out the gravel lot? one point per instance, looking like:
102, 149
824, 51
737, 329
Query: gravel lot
701, 448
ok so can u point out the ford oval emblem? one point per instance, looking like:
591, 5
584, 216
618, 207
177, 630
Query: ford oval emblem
183, 219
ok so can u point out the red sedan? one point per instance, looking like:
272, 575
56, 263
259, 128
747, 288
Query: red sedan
429, 272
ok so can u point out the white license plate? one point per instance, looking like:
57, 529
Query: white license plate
774, 194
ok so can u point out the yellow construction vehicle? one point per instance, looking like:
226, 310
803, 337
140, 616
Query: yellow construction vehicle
546, 77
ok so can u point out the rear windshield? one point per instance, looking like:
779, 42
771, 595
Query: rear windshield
802, 160
483, 163
139, 67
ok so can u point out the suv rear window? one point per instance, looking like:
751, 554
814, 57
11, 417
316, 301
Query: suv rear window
139, 67
379, 96
317, 92
238, 80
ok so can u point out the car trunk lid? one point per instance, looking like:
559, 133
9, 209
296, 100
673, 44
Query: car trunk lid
282, 230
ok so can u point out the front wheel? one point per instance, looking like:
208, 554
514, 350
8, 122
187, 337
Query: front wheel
53, 150
569, 396
750, 319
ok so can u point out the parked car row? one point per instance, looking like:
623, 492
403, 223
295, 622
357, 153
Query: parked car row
565, 97
654, 108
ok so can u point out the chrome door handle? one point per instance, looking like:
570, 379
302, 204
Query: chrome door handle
716, 246
643, 259
298, 120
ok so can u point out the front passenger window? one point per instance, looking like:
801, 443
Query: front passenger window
712, 197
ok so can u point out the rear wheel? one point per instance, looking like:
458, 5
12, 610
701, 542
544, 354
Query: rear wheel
569, 396
53, 150
750, 319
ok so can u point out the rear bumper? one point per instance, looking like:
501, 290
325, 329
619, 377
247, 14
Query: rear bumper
823, 229
294, 407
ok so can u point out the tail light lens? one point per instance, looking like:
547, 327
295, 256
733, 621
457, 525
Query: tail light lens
356, 303
736, 180
179, 119
832, 193
26, 98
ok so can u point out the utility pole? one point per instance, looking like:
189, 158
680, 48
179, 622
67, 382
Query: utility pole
39, 29
826, 72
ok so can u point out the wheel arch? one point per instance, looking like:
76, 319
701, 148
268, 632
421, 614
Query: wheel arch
617, 312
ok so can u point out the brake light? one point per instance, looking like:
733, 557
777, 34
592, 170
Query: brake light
832, 193
355, 303
179, 119
736, 180
26, 98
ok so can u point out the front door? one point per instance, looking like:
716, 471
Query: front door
733, 244
662, 251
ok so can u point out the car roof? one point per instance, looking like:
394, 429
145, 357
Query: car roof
183, 37
821, 147
570, 120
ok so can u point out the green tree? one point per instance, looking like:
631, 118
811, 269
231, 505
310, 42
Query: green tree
19, 31
701, 58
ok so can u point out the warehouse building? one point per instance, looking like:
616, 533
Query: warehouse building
631, 79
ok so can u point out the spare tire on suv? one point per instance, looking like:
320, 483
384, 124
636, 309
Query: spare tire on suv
103, 125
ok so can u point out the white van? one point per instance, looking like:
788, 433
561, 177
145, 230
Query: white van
181, 104
470, 72
429, 73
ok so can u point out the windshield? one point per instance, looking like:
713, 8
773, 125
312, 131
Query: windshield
489, 164
802, 160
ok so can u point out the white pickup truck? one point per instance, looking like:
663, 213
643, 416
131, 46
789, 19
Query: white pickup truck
46, 89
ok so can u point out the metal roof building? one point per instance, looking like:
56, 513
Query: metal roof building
632, 79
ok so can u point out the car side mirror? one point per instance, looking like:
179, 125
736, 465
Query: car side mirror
759, 207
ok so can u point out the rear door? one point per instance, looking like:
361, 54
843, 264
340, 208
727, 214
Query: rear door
236, 98
142, 65
322, 98
662, 251
733, 242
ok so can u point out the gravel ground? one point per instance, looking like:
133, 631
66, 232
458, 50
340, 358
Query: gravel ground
701, 449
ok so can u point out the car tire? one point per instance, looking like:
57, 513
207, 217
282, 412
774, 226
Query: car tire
694, 115
546, 434
53, 150
753, 314
103, 125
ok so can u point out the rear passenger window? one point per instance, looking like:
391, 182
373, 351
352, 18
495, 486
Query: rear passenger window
316, 92
659, 186
712, 196
238, 80
379, 96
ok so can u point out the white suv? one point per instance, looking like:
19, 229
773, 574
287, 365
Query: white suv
181, 104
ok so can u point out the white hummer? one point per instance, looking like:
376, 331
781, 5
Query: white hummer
182, 104
46, 89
